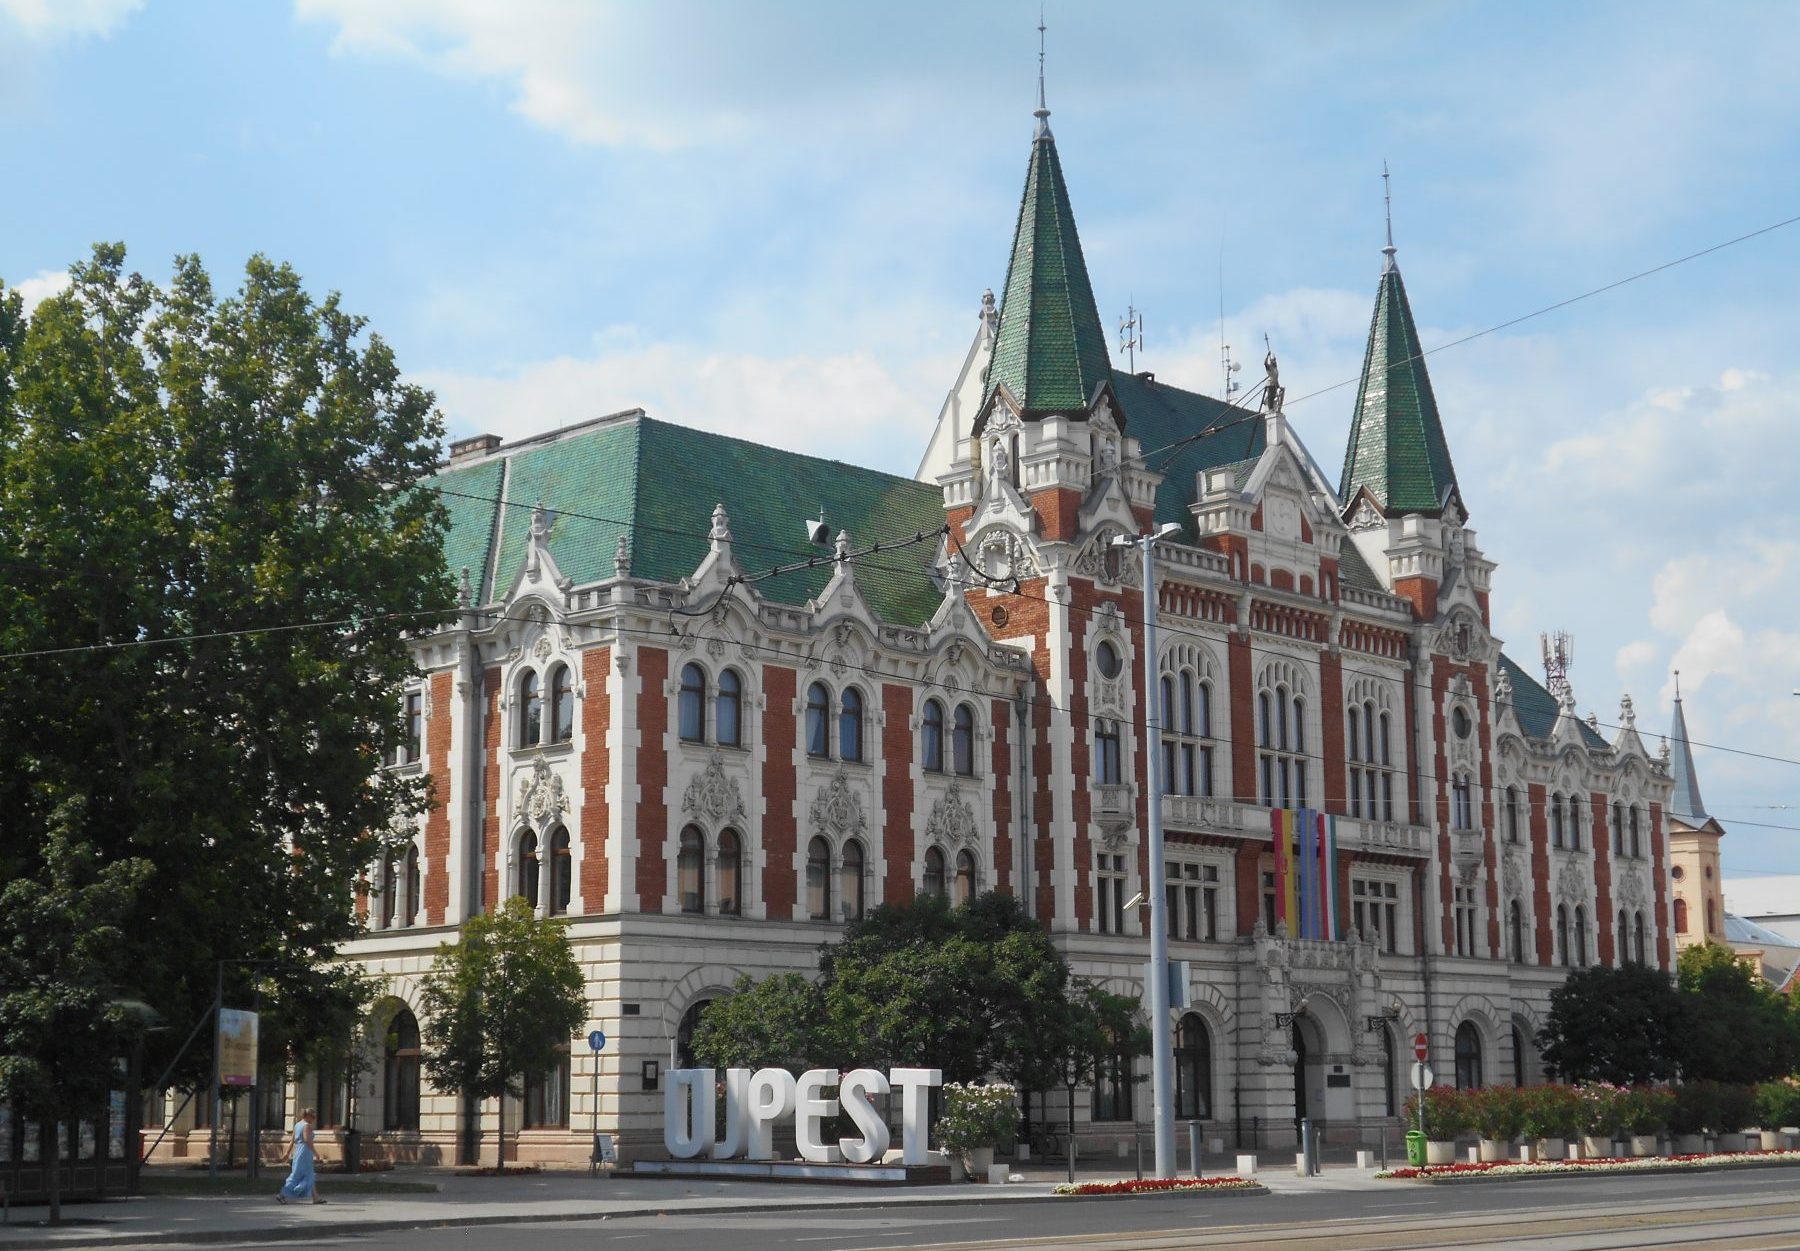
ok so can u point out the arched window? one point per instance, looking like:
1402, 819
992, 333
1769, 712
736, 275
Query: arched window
1462, 804
1562, 933
1556, 820
1468, 1056
934, 872
728, 710
1618, 828
412, 886
1637, 936
850, 725
1193, 1070
731, 874
818, 880
562, 705
527, 885
531, 710
690, 870
562, 872
1574, 822
400, 1074
412, 749
1712, 919
965, 876
1518, 1050
850, 877
692, 713
1637, 847
547, 1095
1515, 924
1187, 724
1680, 916
1512, 814
1622, 951
685, 1031
1581, 937
1281, 739
933, 742
962, 741
818, 721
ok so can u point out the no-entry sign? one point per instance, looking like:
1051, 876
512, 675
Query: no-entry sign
1420, 1046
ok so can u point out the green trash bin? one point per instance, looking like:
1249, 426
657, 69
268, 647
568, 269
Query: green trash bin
1415, 1148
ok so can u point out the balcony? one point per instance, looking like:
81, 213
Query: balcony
1115, 806
1200, 815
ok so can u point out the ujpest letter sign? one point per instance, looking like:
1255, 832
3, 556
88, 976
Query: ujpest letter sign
756, 1099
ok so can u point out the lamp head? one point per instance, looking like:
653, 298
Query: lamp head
1168, 529
1134, 901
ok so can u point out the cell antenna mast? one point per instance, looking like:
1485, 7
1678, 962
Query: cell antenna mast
1131, 336
1559, 654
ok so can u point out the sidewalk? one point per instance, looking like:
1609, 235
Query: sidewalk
555, 1196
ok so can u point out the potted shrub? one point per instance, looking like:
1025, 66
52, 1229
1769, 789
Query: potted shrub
1777, 1107
1446, 1119
1694, 1111
1737, 1113
1548, 1119
1498, 1114
975, 1119
1644, 1112
1600, 1114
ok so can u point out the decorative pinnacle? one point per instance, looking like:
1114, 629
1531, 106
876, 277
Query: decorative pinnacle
1042, 113
1387, 200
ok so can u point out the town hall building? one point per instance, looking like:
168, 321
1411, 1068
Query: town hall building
709, 768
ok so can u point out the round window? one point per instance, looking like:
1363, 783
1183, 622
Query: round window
1459, 721
1677, 873
1106, 656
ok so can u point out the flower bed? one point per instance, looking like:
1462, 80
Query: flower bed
1156, 1185
1628, 1164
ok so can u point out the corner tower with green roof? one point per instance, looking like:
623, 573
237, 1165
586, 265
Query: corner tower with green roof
1050, 351
1398, 457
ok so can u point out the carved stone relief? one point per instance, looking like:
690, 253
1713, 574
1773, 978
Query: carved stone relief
952, 821
713, 796
837, 809
541, 797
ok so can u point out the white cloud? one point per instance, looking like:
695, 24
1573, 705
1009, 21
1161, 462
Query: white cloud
41, 286
51, 20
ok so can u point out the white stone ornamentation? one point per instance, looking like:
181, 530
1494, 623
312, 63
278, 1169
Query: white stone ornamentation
541, 795
953, 821
837, 809
713, 796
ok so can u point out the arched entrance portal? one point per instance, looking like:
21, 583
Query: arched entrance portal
1308, 1043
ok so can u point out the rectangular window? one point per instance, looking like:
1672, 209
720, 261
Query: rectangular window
1109, 893
1106, 753
1191, 898
415, 727
1112, 1089
547, 1097
1375, 910
1268, 902
1465, 913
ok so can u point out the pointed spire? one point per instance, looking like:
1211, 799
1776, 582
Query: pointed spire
1043, 112
1397, 449
1050, 348
1387, 201
1686, 803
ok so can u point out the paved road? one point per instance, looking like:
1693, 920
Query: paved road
1740, 1211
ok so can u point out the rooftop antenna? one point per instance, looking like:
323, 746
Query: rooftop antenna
1043, 111
1559, 654
1387, 200
1131, 336
1227, 366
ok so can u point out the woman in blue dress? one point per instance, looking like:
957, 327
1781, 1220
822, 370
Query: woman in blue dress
302, 1183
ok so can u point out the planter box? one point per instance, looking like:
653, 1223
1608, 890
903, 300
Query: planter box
1771, 1140
1595, 1148
1690, 1144
1494, 1149
1440, 1152
1643, 1144
1553, 1149
1739, 1142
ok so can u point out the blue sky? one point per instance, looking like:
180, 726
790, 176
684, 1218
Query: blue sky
778, 220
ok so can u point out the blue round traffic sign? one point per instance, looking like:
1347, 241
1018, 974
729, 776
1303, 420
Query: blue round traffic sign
597, 1039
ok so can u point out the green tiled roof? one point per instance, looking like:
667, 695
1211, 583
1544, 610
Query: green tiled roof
1354, 571
656, 484
1536, 707
1158, 416
1050, 350
1397, 448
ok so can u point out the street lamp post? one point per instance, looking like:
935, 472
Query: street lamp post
1162, 1043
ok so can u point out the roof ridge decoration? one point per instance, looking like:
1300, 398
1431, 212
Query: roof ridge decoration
1397, 450
1685, 802
1050, 350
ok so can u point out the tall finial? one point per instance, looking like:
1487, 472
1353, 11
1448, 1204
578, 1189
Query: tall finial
1043, 111
1387, 200
1678, 686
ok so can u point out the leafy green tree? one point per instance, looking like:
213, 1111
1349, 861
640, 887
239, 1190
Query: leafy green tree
63, 962
1741, 1031
774, 1023
215, 546
501, 1002
1622, 1025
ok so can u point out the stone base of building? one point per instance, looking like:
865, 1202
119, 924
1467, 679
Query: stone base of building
799, 1171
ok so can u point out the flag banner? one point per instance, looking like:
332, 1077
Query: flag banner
1308, 856
1328, 858
1281, 832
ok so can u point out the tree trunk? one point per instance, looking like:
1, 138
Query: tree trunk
500, 1137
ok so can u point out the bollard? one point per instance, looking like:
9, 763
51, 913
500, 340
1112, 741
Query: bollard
1384, 1162
1071, 1159
1194, 1147
1246, 1165
1137, 1141
1365, 1159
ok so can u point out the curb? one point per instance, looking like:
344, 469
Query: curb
1473, 1179
297, 1233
